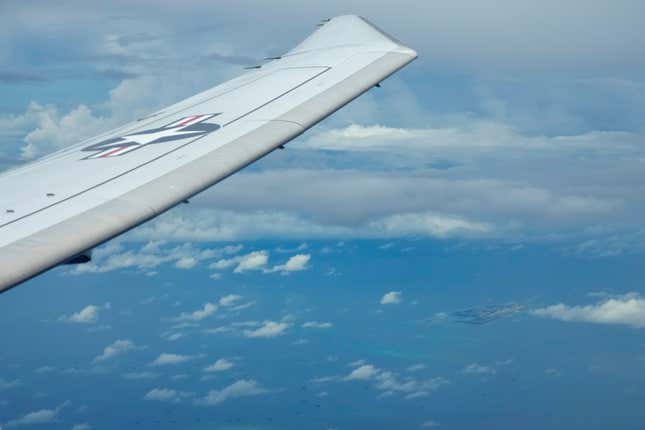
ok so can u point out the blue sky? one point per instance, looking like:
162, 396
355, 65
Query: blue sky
461, 248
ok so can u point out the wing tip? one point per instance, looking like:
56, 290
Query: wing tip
400, 48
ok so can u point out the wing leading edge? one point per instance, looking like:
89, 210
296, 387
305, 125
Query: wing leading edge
132, 174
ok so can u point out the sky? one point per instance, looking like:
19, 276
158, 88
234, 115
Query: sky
461, 248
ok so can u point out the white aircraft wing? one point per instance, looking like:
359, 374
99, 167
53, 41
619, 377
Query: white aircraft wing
56, 209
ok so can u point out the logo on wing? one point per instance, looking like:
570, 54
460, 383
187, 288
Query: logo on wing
183, 128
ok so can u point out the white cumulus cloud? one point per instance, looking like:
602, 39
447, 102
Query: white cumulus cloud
152, 254
118, 347
207, 310
88, 315
42, 416
166, 359
478, 369
268, 329
628, 309
294, 264
362, 373
229, 300
220, 365
163, 395
392, 298
241, 388
255, 260
317, 324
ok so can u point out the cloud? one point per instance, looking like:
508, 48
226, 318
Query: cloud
268, 329
389, 383
88, 315
427, 224
220, 365
368, 201
229, 300
164, 395
392, 298
467, 36
241, 388
255, 260
317, 324
252, 261
169, 336
294, 264
628, 309
362, 373
5, 385
416, 367
206, 311
42, 416
478, 369
140, 375
166, 359
218, 224
552, 371
82, 426
186, 263
46, 129
117, 348
149, 256
258, 260
325, 379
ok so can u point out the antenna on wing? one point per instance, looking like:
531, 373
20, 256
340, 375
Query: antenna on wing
323, 22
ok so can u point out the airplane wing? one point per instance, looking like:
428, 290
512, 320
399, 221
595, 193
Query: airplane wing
56, 209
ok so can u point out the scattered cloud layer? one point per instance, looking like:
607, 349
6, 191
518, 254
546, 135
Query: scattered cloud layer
150, 256
259, 260
390, 383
